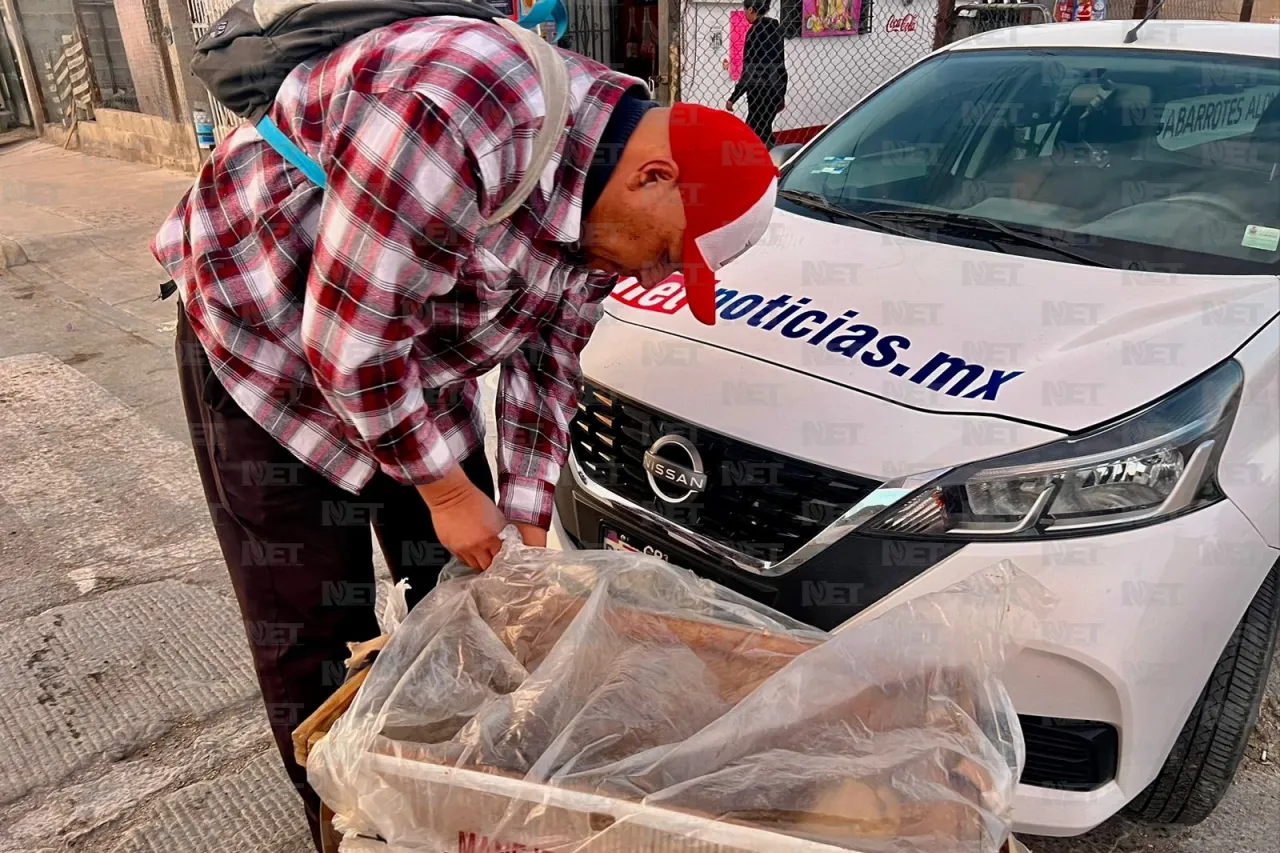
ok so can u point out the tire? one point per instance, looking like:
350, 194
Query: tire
1203, 762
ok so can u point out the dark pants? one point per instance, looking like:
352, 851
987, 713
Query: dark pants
299, 550
763, 106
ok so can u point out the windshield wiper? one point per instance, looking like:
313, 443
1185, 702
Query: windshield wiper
1014, 234
819, 203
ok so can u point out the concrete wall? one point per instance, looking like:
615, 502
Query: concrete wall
132, 136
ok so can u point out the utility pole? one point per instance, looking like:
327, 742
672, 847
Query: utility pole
30, 83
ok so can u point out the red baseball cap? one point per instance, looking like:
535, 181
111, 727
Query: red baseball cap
728, 184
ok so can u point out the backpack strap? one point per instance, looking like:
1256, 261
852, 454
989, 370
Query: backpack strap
547, 11
284, 146
553, 80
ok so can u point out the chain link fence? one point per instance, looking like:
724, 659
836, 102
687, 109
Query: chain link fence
833, 52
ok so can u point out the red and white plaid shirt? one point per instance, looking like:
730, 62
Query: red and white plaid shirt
353, 322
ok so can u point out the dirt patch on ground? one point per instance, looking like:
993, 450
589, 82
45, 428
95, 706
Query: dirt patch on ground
1264, 746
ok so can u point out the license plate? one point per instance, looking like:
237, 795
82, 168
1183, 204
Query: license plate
615, 541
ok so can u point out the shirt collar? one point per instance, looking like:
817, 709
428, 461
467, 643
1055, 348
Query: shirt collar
560, 218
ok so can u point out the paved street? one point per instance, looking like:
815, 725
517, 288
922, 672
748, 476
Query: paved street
130, 719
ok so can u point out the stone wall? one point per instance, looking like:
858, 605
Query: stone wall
133, 136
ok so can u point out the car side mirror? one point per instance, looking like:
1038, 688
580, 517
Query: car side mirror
780, 154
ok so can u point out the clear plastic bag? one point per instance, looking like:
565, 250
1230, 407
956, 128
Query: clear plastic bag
573, 701
393, 605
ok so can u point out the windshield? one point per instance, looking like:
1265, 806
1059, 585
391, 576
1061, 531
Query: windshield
1131, 159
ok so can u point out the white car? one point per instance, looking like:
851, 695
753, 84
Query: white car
1018, 303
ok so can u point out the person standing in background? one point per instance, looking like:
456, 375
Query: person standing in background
764, 71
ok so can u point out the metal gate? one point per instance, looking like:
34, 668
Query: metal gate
625, 35
203, 15
591, 29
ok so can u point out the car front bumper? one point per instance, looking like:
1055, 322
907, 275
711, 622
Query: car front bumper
1141, 619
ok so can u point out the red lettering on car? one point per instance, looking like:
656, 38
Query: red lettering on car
666, 297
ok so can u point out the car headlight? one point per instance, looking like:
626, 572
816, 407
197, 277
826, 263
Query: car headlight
1147, 466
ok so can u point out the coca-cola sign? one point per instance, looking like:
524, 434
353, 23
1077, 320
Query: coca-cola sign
904, 24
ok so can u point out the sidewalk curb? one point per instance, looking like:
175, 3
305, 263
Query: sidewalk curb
11, 254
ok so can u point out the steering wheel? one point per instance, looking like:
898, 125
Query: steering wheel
1222, 204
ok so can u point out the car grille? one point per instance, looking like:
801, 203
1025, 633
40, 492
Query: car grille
757, 502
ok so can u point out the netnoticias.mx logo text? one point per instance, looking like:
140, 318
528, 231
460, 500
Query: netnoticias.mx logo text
800, 320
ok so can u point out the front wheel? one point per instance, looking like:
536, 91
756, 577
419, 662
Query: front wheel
1203, 762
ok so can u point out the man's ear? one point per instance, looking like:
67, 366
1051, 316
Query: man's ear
656, 171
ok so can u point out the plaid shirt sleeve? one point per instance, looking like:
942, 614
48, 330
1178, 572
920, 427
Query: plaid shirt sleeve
391, 234
537, 393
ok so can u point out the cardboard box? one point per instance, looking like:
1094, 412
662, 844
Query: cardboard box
456, 805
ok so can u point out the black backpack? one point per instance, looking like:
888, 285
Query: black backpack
248, 52
246, 55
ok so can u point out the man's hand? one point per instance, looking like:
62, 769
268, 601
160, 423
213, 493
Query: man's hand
728, 105
465, 518
533, 535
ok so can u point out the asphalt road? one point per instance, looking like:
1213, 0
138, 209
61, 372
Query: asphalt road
131, 721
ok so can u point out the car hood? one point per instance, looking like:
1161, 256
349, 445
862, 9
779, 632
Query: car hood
959, 330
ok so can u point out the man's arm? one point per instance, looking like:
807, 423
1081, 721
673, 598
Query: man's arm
537, 393
395, 224
773, 52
